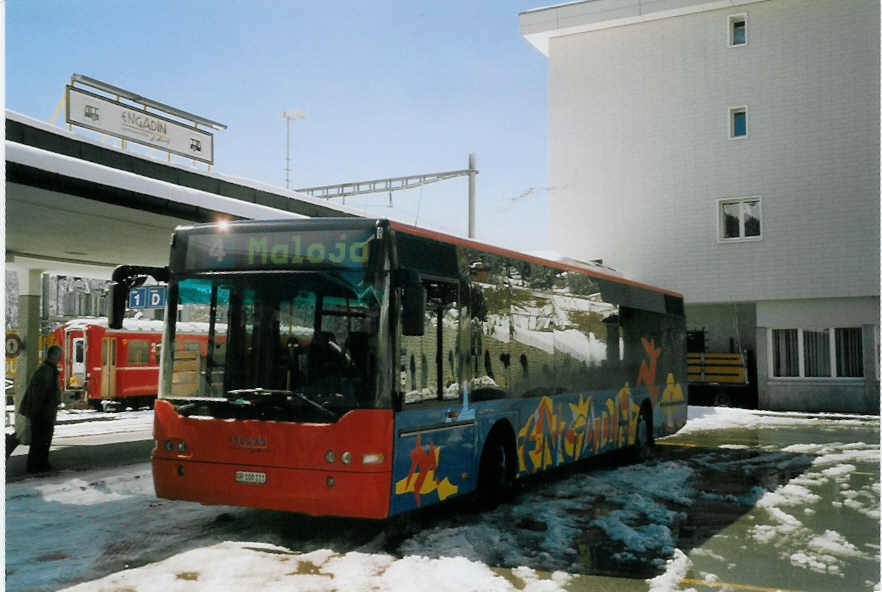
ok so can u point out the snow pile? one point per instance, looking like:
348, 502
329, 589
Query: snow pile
717, 418
677, 568
266, 567
552, 520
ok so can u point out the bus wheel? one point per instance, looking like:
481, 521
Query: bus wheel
496, 472
643, 441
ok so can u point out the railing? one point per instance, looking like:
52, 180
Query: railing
713, 368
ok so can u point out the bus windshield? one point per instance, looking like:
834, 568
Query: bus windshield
296, 346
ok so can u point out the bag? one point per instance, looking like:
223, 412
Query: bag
23, 430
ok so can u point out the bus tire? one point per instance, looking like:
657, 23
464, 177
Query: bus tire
496, 472
643, 442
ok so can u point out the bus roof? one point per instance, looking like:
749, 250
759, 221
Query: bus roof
332, 223
570, 265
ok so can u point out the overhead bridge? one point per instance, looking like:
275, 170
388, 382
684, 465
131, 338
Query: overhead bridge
76, 206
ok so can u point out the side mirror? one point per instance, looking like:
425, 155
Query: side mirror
414, 309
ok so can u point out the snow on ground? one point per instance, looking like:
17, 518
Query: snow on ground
718, 418
87, 422
86, 525
92, 423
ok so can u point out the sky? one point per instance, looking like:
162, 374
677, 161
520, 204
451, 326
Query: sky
388, 89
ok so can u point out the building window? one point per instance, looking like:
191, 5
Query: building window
740, 219
737, 30
849, 352
785, 350
817, 353
738, 122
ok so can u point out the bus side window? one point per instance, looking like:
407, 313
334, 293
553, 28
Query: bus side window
449, 327
418, 380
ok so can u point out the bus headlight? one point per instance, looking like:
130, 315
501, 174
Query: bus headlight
346, 457
182, 447
373, 458
169, 446
330, 457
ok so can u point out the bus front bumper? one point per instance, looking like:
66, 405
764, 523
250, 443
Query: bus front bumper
308, 491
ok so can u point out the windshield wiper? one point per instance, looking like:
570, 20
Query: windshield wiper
259, 395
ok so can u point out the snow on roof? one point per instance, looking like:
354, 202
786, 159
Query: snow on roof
104, 175
247, 209
146, 325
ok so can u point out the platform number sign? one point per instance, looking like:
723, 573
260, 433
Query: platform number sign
147, 297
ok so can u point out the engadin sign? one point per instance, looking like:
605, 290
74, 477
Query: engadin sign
109, 117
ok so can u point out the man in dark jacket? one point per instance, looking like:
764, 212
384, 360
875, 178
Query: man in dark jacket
40, 404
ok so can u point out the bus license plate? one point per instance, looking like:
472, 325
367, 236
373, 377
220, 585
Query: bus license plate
250, 477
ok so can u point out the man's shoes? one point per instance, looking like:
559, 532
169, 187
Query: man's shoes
42, 469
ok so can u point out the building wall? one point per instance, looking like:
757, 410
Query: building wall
640, 153
727, 327
850, 395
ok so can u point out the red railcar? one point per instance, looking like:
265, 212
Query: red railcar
100, 364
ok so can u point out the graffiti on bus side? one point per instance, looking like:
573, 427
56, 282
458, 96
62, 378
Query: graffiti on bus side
422, 478
646, 374
572, 431
672, 399
558, 432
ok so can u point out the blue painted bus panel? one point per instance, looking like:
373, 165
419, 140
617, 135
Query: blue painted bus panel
434, 456
435, 463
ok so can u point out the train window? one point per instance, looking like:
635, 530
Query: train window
192, 346
138, 352
78, 351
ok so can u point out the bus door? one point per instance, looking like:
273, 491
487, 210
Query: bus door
108, 367
435, 429
77, 350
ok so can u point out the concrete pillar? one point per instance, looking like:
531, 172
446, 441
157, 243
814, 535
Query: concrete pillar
762, 369
870, 338
29, 285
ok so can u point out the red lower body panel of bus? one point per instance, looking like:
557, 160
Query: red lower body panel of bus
341, 469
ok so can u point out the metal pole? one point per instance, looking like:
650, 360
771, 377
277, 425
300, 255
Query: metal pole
288, 155
472, 195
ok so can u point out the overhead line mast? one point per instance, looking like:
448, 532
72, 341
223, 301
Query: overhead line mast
391, 184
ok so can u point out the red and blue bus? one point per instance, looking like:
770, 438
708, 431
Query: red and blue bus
366, 368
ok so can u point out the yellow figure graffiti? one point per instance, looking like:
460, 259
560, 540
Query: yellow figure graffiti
579, 435
610, 422
672, 399
627, 420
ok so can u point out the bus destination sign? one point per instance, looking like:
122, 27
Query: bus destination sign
273, 250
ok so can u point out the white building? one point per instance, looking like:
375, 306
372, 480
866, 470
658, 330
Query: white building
729, 150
